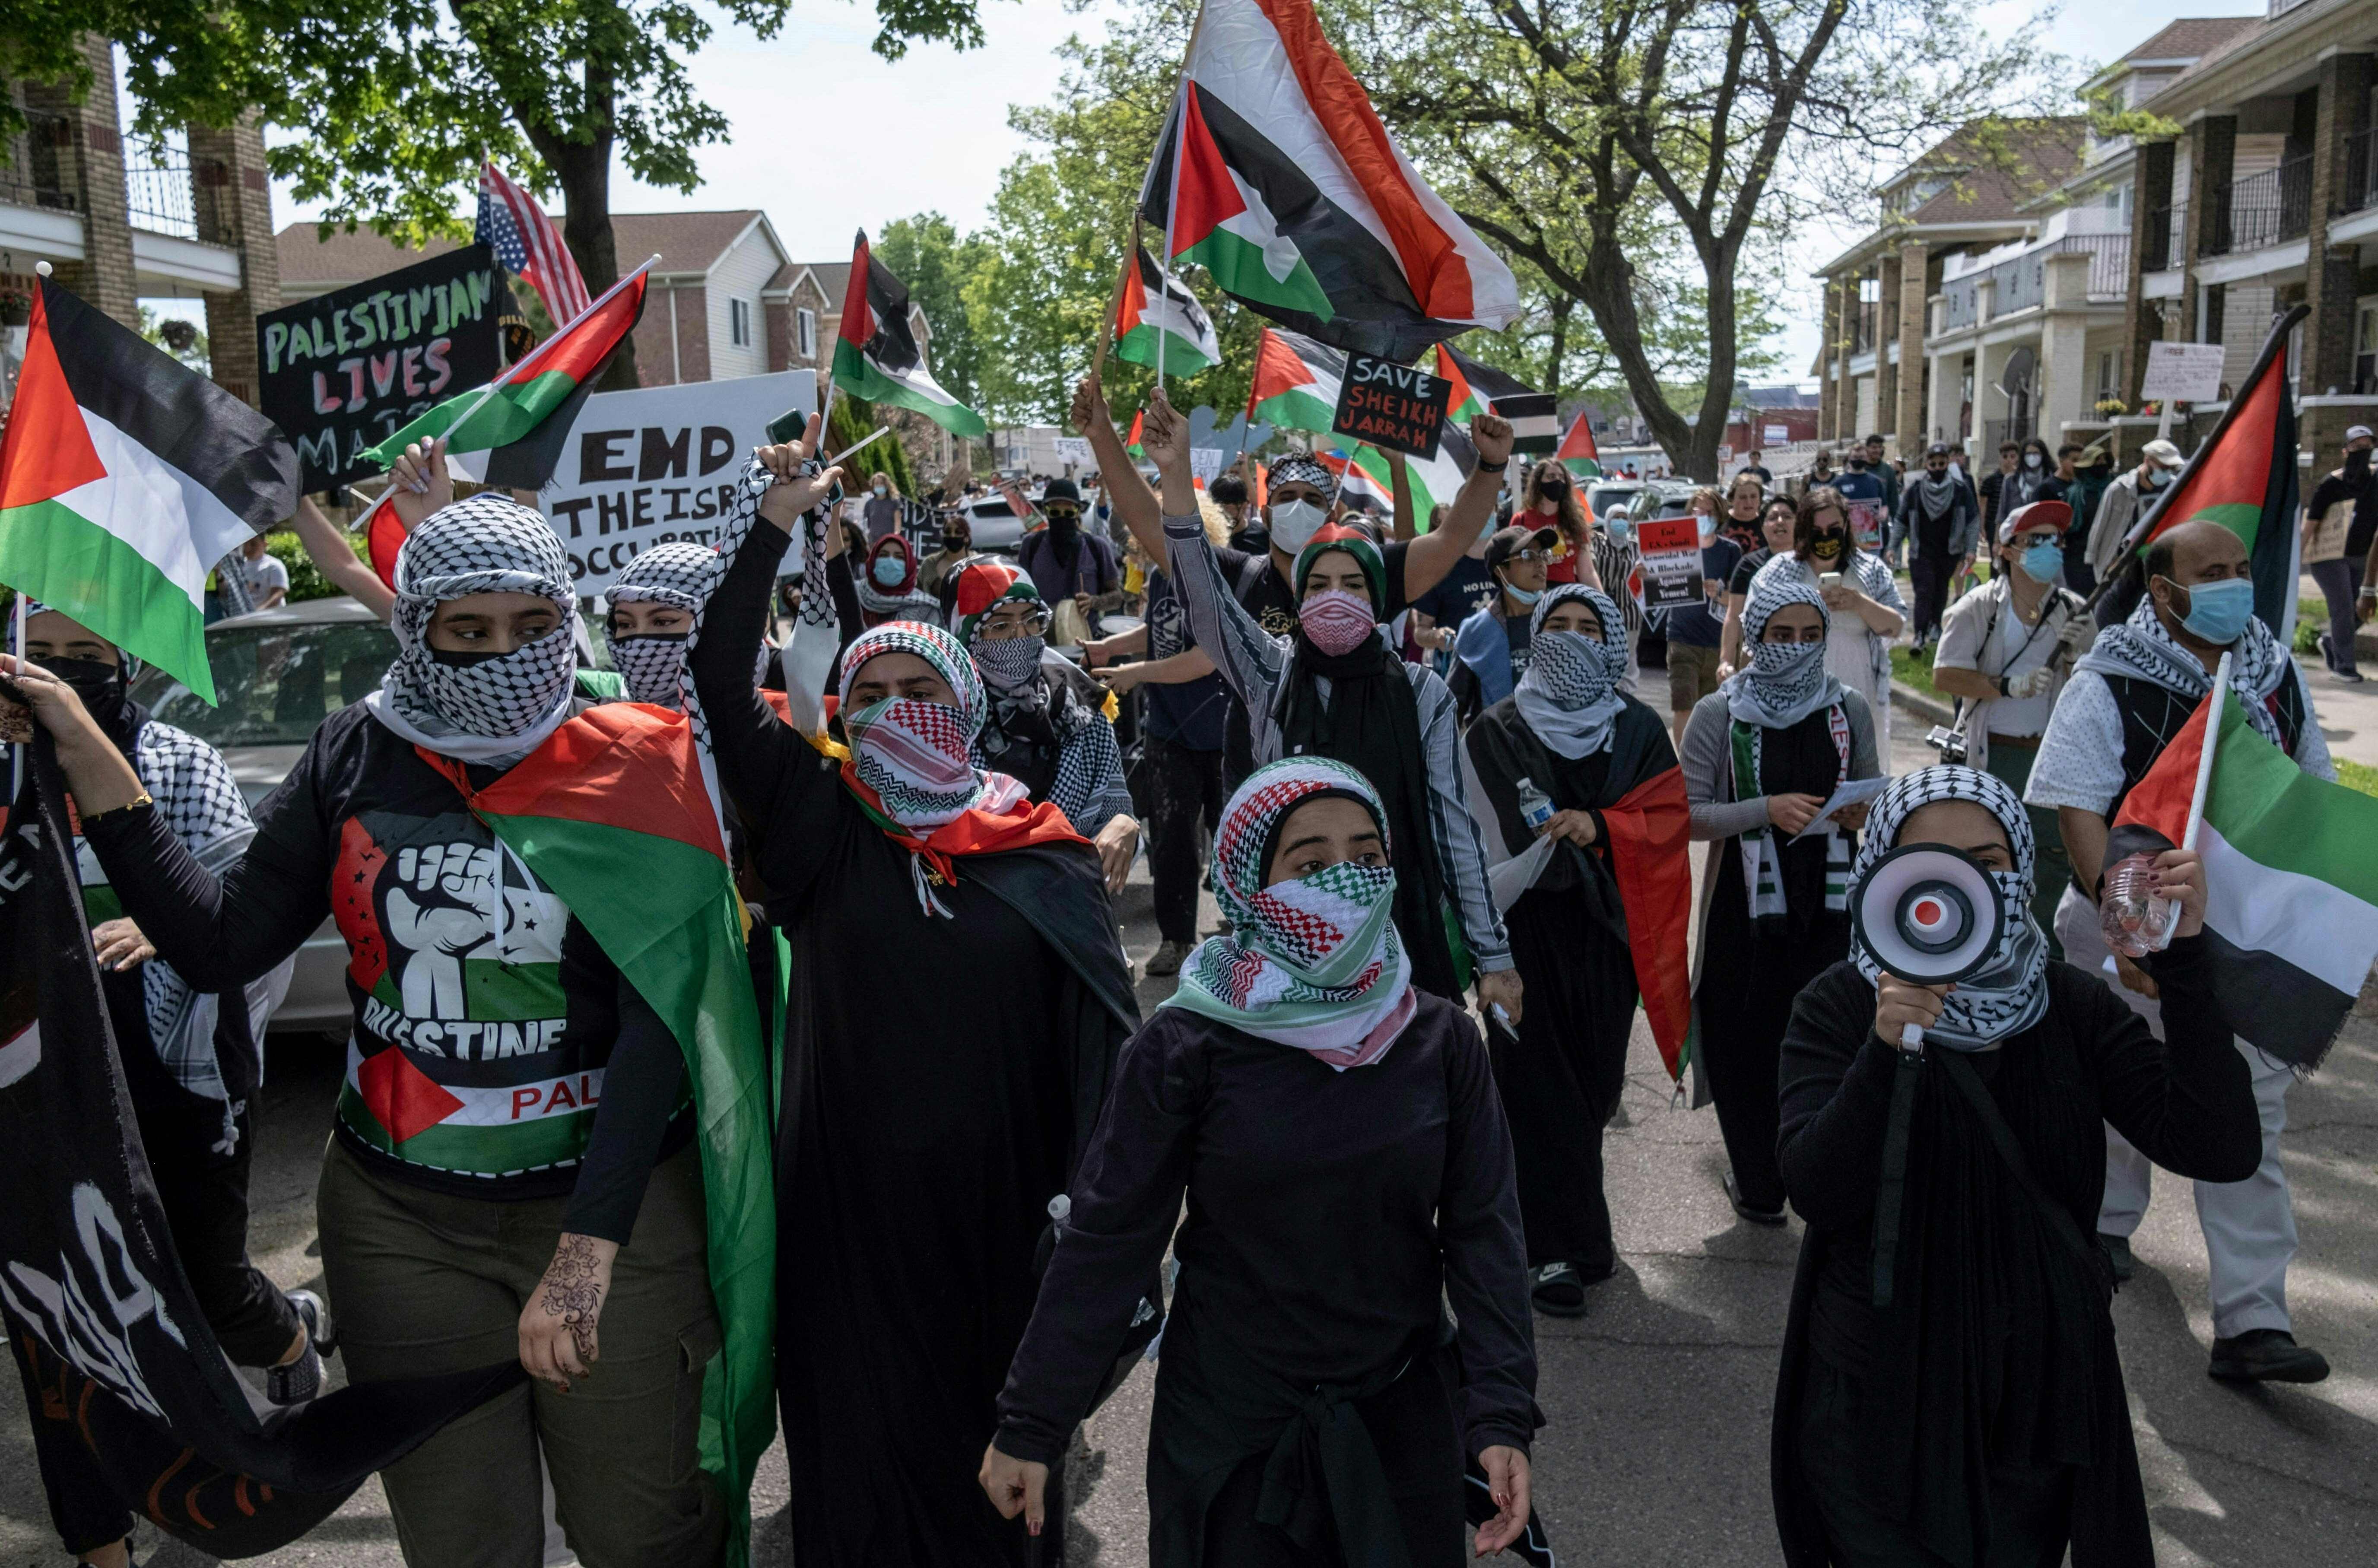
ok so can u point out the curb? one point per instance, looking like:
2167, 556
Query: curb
1905, 696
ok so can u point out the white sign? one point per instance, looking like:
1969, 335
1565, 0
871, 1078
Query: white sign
1775, 435
2188, 373
1672, 562
659, 465
1074, 450
1204, 462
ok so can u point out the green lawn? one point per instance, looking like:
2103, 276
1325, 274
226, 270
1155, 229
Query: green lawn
2357, 776
1909, 668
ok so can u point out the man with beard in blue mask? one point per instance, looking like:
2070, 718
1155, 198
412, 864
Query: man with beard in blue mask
2129, 696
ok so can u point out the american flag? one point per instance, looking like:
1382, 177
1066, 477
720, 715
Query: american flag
514, 226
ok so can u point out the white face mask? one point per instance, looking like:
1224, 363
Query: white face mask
1294, 524
2031, 460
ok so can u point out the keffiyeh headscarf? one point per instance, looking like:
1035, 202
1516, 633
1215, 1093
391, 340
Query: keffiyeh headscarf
493, 708
1784, 682
1009, 667
1569, 694
2141, 648
2010, 994
913, 754
886, 598
681, 575
1302, 468
1312, 963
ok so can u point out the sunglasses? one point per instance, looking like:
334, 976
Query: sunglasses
1062, 513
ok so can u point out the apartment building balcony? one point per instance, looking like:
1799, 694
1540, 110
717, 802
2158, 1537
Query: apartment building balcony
174, 206
2356, 208
1986, 296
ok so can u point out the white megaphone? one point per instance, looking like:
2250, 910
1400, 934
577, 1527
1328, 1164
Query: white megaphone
1931, 914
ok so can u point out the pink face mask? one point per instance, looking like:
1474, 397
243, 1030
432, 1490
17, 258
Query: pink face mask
1336, 620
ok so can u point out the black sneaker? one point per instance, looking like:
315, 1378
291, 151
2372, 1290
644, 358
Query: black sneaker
2350, 677
2118, 1252
1168, 958
298, 1381
2265, 1355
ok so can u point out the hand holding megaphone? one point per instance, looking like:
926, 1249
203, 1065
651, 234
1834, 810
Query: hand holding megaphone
1932, 915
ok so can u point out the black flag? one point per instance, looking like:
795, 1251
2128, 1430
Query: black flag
126, 1386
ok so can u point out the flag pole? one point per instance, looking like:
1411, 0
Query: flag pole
1114, 304
16, 647
2204, 754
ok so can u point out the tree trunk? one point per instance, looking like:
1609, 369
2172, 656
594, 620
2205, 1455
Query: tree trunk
585, 174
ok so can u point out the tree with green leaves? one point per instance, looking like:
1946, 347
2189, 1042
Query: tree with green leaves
926, 251
1643, 159
393, 104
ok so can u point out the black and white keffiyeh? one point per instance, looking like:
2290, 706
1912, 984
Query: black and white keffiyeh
1783, 682
2009, 996
1569, 694
2141, 648
492, 709
1302, 468
679, 574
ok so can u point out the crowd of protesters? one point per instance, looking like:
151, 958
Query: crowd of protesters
1447, 832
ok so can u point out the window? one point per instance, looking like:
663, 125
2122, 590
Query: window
739, 322
2365, 348
805, 333
2105, 374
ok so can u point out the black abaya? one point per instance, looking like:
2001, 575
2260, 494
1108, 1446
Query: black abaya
940, 1078
1560, 1078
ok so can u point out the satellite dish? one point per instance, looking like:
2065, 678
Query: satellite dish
1931, 914
2022, 368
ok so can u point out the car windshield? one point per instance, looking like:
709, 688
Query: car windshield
273, 684
1602, 497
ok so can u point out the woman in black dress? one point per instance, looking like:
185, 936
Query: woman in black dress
1950, 1389
1347, 1171
1611, 863
1762, 755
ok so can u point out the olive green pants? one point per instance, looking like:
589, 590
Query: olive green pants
422, 1282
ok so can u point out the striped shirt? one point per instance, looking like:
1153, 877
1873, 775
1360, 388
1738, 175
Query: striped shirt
1257, 666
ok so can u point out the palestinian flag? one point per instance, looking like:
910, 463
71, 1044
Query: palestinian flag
512, 407
612, 814
1434, 481
1156, 303
1274, 172
2291, 868
1296, 382
1358, 486
1133, 444
123, 478
877, 356
1651, 853
1480, 389
1577, 451
2243, 478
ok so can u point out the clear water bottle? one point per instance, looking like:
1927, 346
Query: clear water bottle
2135, 919
1535, 807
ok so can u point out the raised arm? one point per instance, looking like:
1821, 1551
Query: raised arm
1835, 1088
1128, 492
1433, 554
1249, 658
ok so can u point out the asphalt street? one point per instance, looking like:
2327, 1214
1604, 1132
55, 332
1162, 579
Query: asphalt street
1657, 1401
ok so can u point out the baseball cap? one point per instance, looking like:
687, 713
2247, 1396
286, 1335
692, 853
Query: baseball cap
2361, 433
1941, 449
2056, 515
2163, 454
1509, 542
1061, 490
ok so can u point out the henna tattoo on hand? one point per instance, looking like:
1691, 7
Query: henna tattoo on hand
573, 1290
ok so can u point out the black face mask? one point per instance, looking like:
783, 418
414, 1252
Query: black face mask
1553, 489
1828, 544
2357, 464
1064, 526
99, 683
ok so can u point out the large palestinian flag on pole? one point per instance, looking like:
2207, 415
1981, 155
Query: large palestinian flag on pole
1480, 389
612, 813
1296, 382
2292, 871
1577, 451
1155, 304
877, 356
2243, 478
1274, 172
1358, 487
123, 478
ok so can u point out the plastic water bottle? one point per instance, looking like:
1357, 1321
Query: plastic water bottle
2137, 919
1535, 807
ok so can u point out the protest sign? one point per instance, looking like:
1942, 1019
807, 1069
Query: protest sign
342, 371
1867, 524
2188, 372
659, 465
1672, 562
1391, 406
1074, 451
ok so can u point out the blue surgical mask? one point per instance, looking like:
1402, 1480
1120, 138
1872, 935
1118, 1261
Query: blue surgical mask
1523, 597
890, 571
2043, 562
2217, 612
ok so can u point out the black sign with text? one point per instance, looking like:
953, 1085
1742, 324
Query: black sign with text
1391, 406
342, 371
